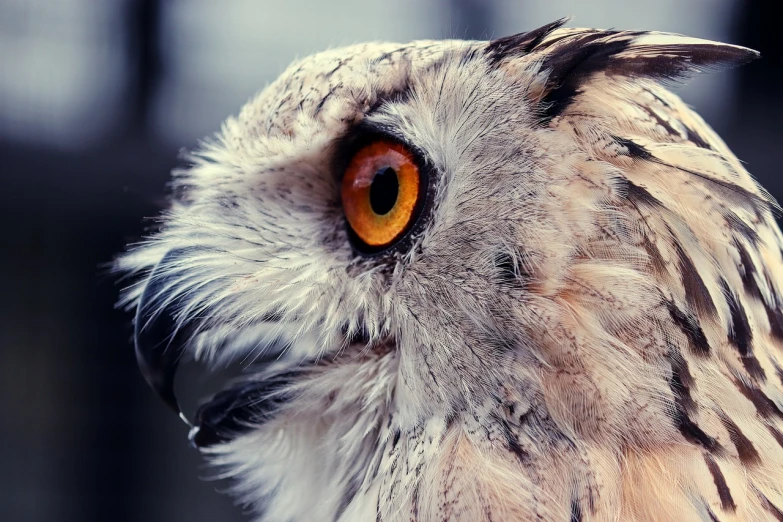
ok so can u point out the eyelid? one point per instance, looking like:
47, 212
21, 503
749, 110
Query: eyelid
364, 132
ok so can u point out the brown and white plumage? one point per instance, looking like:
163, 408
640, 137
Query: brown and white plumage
586, 325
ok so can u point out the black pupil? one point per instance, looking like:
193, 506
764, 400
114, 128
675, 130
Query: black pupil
384, 190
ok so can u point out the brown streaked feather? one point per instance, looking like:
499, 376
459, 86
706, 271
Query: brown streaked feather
708, 230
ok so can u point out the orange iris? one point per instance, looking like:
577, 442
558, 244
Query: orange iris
380, 190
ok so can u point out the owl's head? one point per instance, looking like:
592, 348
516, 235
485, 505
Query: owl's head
495, 221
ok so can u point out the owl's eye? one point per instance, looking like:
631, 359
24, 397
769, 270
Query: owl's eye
381, 190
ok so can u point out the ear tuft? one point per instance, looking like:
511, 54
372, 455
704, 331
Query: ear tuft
520, 44
665, 56
571, 57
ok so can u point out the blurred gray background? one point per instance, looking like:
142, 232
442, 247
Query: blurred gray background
97, 98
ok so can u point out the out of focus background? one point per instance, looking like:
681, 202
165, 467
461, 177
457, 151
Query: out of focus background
97, 99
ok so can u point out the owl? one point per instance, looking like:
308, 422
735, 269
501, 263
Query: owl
508, 280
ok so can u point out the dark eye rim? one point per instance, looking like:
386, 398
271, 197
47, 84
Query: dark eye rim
361, 136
